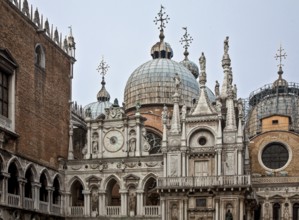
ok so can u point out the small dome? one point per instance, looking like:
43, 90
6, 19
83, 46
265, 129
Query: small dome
161, 49
103, 94
280, 82
153, 83
97, 108
191, 66
211, 96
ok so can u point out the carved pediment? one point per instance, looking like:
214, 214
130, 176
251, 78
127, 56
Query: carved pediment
93, 180
294, 198
131, 179
277, 198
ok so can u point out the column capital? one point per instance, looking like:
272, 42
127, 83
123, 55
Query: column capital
85, 192
123, 191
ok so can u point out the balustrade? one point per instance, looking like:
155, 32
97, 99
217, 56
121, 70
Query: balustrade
77, 210
151, 210
43, 206
28, 203
13, 200
56, 209
203, 181
113, 210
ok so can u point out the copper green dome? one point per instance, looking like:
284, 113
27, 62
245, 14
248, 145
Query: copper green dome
153, 84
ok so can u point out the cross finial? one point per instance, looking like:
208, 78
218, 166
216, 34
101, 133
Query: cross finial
161, 18
103, 67
281, 55
186, 40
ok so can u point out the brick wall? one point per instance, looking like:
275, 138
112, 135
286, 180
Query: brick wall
42, 109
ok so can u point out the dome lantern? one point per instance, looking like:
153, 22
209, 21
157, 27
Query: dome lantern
103, 94
161, 49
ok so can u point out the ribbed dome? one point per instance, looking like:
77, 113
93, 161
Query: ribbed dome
153, 83
191, 66
97, 108
211, 96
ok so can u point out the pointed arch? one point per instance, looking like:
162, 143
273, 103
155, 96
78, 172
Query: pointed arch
33, 170
47, 174
146, 178
151, 196
59, 179
72, 180
40, 56
18, 165
76, 189
107, 180
112, 187
57, 190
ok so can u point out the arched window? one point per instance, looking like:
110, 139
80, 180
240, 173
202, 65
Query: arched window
28, 184
40, 58
77, 194
113, 195
151, 196
56, 193
13, 184
296, 211
276, 211
43, 192
154, 141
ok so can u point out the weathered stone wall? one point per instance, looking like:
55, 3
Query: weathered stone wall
42, 96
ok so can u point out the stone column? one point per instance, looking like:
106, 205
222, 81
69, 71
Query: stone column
100, 141
241, 205
240, 164
102, 202
86, 194
139, 200
50, 198
138, 135
22, 182
163, 205
217, 209
4, 187
36, 186
183, 164
219, 162
68, 203
124, 202
87, 156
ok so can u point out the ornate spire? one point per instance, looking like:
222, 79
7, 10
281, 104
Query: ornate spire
228, 76
280, 81
279, 56
202, 75
103, 95
161, 49
186, 40
162, 20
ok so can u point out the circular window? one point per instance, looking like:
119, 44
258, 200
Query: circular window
202, 141
275, 155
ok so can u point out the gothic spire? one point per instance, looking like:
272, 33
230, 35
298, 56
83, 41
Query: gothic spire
228, 76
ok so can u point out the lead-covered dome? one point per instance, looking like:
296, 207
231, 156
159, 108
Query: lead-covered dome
153, 83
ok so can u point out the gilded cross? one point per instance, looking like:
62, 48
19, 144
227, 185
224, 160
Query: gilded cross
103, 67
186, 40
281, 55
161, 18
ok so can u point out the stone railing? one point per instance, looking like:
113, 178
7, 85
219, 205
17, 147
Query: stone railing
113, 210
56, 209
77, 210
13, 200
43, 206
203, 181
152, 210
275, 179
28, 203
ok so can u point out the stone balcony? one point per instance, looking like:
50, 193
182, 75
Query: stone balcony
208, 182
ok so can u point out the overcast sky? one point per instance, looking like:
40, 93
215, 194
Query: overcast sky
123, 32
